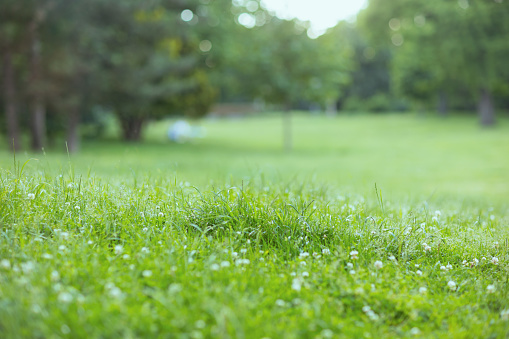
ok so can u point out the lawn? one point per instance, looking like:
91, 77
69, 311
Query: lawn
373, 226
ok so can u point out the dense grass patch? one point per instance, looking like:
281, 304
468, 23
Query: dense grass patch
277, 255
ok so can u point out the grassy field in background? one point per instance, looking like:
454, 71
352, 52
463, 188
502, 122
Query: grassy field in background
407, 156
231, 237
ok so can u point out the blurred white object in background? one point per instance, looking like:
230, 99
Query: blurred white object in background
181, 131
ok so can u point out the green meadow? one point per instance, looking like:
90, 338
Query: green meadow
373, 226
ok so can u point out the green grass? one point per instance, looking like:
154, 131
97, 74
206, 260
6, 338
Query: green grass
232, 237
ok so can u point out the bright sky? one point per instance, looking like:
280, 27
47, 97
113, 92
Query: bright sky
321, 13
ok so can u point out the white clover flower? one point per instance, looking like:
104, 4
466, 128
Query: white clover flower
366, 309
161, 214
31, 196
495, 244
434, 219
242, 262
426, 247
90, 242
65, 297
126, 256
243, 251
494, 261
378, 264
354, 255
423, 290
280, 303
464, 263
391, 257
145, 229
235, 254
115, 292
373, 232
438, 213
55, 276
419, 272
47, 256
147, 273
214, 267
452, 285
305, 274
475, 262
303, 255
352, 272
296, 284
349, 265
372, 315
490, 289
225, 264
448, 267
325, 251
77, 208
416, 265
5, 263
119, 249
504, 315
483, 259
443, 268
27, 267
248, 241
145, 250
415, 331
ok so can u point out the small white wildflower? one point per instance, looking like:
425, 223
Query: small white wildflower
214, 267
65, 297
495, 244
293, 274
475, 262
352, 272
90, 242
5, 263
77, 208
119, 249
115, 292
483, 259
378, 265
438, 213
280, 303
504, 315
366, 309
305, 274
373, 232
303, 255
372, 315
303, 263
416, 265
423, 290
452, 285
354, 255
296, 284
349, 265
142, 214
326, 251
225, 264
434, 219
464, 263
157, 207
426, 247
161, 214
415, 331
147, 273
419, 272
391, 257
55, 276
31, 196
27, 267
248, 241
243, 251
235, 254
145, 229
448, 267
490, 289
494, 261
145, 250
47, 256
443, 268
126, 257
492, 217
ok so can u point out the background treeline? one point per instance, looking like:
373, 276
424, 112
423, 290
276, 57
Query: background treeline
69, 64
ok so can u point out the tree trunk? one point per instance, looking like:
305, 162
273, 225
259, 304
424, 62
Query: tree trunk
442, 104
486, 110
11, 112
73, 122
287, 129
131, 128
38, 114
